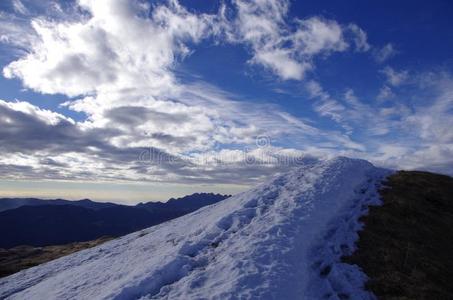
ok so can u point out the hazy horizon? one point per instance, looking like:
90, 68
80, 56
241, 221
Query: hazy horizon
129, 194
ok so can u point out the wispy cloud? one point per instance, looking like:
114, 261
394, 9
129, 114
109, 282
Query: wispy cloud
385, 53
325, 104
385, 93
19, 7
395, 78
360, 38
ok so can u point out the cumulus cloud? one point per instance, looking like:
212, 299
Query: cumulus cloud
288, 51
316, 35
261, 24
116, 47
108, 49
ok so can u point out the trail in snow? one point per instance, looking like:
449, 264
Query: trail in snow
281, 240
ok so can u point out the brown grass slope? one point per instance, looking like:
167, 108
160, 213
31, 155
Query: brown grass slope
406, 247
22, 257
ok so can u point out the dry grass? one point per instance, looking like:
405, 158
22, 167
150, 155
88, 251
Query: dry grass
406, 247
22, 257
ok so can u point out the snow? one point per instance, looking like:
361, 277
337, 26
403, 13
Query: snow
280, 240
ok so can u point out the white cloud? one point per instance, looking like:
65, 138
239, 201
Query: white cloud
261, 24
288, 52
385, 53
369, 120
120, 63
385, 93
48, 145
108, 47
114, 48
104, 57
281, 63
316, 35
19, 7
15, 31
423, 139
117, 60
433, 118
355, 117
395, 78
325, 105
360, 38
45, 115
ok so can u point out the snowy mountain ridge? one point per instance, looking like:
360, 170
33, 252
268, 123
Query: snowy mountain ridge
280, 240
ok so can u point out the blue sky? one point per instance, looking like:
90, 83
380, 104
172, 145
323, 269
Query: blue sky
214, 95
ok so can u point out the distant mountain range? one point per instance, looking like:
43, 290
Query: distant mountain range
185, 204
37, 222
12, 203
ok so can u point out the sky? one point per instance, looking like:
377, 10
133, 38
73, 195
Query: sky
133, 101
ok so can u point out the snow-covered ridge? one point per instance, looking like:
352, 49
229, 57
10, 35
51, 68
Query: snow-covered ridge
280, 240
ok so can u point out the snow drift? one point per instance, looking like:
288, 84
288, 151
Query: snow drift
280, 240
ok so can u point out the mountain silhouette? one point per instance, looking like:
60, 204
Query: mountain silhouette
55, 222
